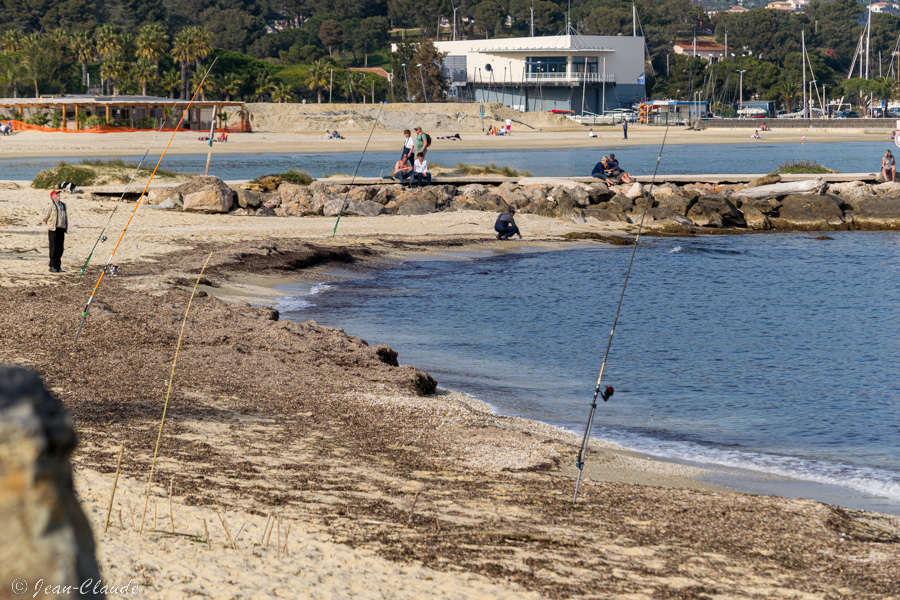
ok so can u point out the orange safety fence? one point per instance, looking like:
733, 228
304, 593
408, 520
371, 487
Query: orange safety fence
242, 127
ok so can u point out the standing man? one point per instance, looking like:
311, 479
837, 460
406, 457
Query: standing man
625, 127
508, 125
57, 223
422, 142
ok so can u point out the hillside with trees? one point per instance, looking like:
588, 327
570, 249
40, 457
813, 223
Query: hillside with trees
288, 50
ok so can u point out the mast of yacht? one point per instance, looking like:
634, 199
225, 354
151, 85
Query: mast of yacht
803, 54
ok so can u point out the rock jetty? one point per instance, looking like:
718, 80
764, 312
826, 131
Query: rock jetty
764, 204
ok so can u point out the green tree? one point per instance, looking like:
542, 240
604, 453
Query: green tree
282, 93
152, 43
487, 16
331, 34
113, 69
318, 78
85, 51
183, 54
170, 82
264, 86
144, 71
366, 35
13, 40
436, 86
230, 85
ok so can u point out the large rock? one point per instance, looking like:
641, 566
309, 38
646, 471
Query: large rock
875, 213
333, 206
600, 192
250, 198
663, 217
769, 179
45, 534
755, 218
213, 201
635, 191
809, 186
809, 212
491, 202
473, 189
889, 189
291, 192
577, 195
364, 208
672, 200
550, 182
702, 215
417, 206
606, 216
160, 195
318, 202
767, 206
731, 216
620, 202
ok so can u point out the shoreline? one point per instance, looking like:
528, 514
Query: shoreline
718, 476
34, 144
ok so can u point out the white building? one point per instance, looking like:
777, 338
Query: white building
559, 72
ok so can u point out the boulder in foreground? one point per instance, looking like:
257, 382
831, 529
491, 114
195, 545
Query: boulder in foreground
45, 534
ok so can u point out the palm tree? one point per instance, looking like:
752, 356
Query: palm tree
12, 41
230, 85
152, 43
33, 59
143, 70
183, 53
202, 44
264, 86
85, 51
170, 81
197, 79
282, 93
12, 76
108, 42
318, 78
112, 69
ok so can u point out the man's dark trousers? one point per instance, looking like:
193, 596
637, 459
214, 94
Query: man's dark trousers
57, 240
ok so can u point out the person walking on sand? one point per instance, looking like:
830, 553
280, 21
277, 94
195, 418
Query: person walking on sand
625, 128
505, 226
57, 221
887, 167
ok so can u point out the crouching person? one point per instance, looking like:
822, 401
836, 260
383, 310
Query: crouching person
506, 225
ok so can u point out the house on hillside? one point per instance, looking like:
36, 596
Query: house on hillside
580, 73
710, 50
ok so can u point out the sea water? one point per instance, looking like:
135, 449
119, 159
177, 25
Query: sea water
751, 157
772, 353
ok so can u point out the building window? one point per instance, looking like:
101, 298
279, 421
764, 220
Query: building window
584, 64
546, 64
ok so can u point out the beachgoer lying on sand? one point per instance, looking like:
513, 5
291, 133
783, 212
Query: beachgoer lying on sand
402, 169
452, 138
887, 167
505, 225
421, 170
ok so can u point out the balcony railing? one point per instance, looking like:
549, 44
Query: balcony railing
571, 77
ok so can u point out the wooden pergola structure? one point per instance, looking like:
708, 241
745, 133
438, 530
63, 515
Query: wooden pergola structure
121, 111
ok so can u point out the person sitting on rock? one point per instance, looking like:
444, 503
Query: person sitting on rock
421, 170
402, 169
505, 226
887, 167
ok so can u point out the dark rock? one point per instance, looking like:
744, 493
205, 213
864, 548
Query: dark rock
419, 382
875, 213
45, 533
702, 215
731, 216
608, 216
766, 206
491, 202
755, 218
386, 354
665, 216
599, 192
809, 212
364, 208
623, 202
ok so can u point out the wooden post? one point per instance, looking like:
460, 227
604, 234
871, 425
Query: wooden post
107, 114
77, 127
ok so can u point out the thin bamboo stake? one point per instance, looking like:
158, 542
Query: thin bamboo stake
271, 529
228, 533
171, 516
265, 529
169, 393
113, 494
286, 534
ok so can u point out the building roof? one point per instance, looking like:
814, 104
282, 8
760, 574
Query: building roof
545, 43
701, 45
735, 9
374, 70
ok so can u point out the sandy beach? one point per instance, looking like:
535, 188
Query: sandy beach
298, 128
297, 461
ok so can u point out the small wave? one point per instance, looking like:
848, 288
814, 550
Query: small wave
866, 480
701, 250
677, 250
296, 302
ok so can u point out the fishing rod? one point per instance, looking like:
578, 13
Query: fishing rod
608, 392
101, 237
137, 204
347, 195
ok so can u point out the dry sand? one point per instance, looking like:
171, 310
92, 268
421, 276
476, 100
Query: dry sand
388, 494
298, 128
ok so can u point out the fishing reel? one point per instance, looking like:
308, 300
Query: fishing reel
607, 393
112, 270
102, 239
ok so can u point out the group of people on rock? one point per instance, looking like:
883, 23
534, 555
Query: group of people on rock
412, 163
609, 171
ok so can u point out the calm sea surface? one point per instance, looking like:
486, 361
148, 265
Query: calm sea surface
756, 157
775, 353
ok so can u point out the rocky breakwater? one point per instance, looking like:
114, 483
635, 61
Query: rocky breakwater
45, 535
764, 204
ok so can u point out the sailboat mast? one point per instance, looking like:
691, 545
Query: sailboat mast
868, 37
803, 55
633, 20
